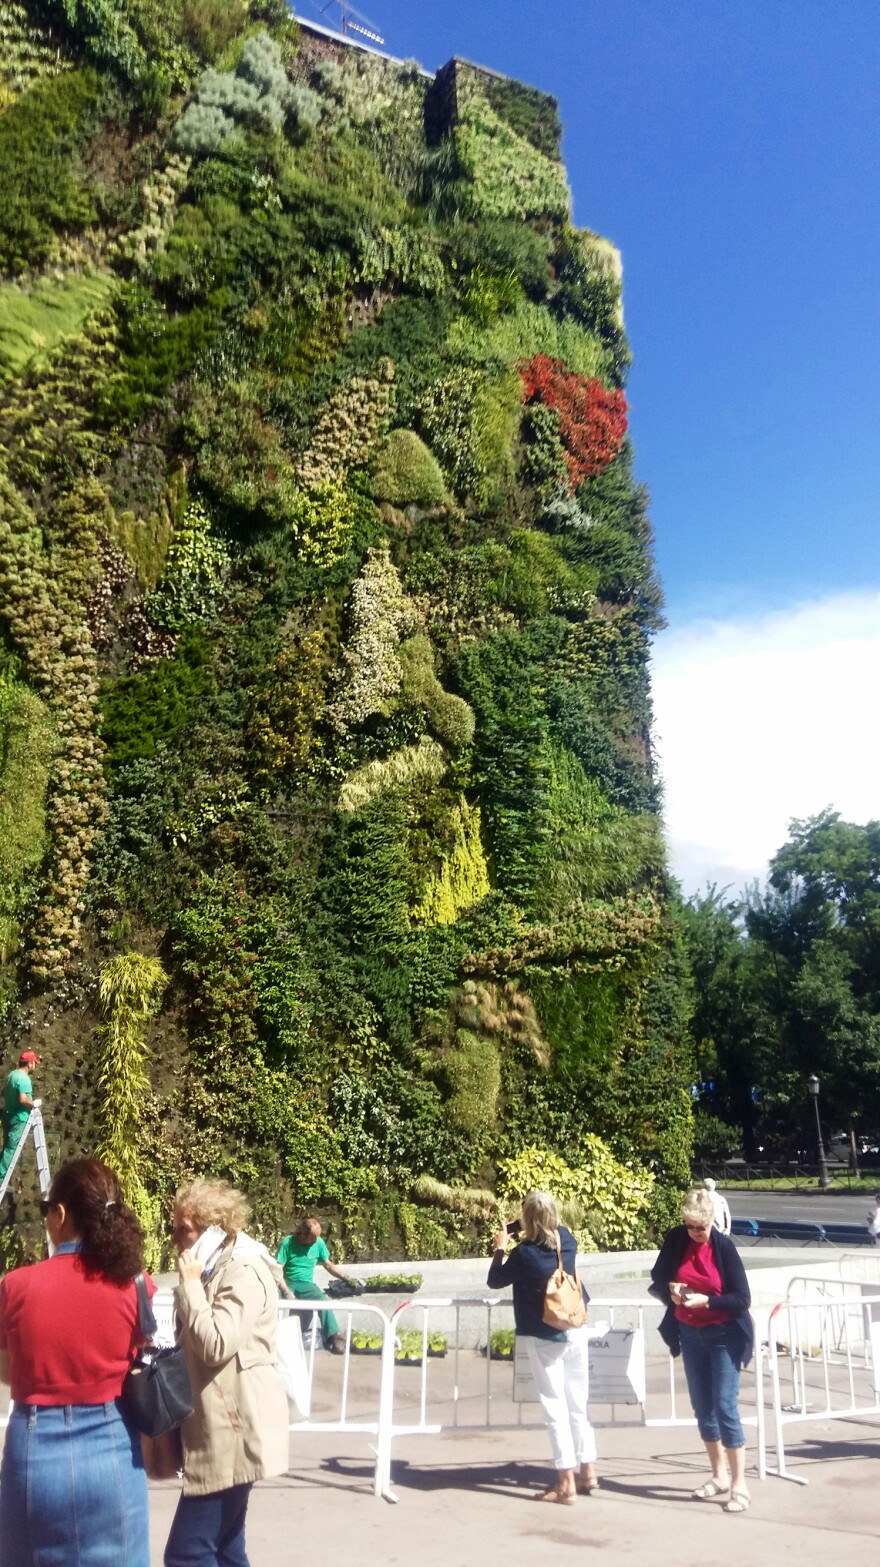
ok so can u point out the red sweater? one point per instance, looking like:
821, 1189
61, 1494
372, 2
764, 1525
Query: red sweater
70, 1338
698, 1270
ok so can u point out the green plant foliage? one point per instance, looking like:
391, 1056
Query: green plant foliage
406, 472
424, 1237
475, 1201
470, 422
510, 766
534, 115
256, 94
497, 173
195, 566
503, 247
28, 51
410, 1345
588, 289
144, 711
106, 31
33, 321
241, 455
610, 1197
130, 989
28, 744
397, 1282
463, 878
450, 718
380, 614
40, 136
525, 330
317, 676
412, 333
411, 766
383, 102
210, 25
598, 850
502, 1344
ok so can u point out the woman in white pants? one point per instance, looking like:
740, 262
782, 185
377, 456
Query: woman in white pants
558, 1358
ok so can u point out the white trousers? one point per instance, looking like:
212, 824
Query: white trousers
561, 1372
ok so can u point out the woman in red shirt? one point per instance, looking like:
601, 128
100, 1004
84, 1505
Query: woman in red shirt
73, 1491
700, 1274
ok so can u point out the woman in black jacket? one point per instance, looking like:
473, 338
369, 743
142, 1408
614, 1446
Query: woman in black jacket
557, 1357
700, 1273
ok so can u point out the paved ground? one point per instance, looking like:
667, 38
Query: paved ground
466, 1500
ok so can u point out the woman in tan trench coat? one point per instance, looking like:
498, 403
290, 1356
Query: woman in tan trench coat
226, 1302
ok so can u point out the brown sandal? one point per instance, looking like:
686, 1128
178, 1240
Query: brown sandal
567, 1498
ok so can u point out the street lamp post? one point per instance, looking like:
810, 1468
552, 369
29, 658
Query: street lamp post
813, 1086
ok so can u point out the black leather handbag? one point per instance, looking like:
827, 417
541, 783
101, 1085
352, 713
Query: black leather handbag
156, 1393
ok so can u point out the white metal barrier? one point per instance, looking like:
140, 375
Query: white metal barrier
657, 1407
343, 1420
824, 1358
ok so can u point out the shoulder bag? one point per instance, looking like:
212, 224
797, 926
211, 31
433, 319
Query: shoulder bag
156, 1393
563, 1298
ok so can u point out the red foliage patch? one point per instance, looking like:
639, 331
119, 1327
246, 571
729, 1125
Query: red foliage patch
592, 420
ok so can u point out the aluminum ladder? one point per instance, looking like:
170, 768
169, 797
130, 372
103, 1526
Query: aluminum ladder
35, 1129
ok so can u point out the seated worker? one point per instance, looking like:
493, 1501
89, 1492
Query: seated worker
298, 1254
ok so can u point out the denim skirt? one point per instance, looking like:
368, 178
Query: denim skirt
73, 1492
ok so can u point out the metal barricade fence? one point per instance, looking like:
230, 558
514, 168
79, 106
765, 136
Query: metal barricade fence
372, 1399
474, 1402
824, 1359
475, 1399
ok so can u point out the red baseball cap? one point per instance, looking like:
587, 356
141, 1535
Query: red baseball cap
30, 1058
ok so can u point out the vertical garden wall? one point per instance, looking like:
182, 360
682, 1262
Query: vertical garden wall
330, 855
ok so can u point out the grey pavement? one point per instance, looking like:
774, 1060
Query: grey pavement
466, 1497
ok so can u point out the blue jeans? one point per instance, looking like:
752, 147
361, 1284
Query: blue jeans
73, 1492
208, 1531
712, 1370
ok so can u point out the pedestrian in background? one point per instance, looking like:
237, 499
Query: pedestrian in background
227, 1307
720, 1208
699, 1273
874, 1219
73, 1492
558, 1357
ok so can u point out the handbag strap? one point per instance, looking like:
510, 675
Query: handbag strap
147, 1324
574, 1273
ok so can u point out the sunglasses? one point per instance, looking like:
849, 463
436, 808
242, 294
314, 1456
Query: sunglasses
45, 1205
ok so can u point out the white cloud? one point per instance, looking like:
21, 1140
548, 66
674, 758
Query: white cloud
761, 720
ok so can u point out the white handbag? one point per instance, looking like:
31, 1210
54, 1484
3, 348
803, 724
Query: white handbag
293, 1364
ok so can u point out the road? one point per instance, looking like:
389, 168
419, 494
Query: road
811, 1206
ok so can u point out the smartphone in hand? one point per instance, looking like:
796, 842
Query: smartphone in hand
514, 1227
208, 1243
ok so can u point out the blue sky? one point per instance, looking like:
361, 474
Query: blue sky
729, 147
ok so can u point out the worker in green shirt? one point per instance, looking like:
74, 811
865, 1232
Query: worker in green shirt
298, 1255
18, 1099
